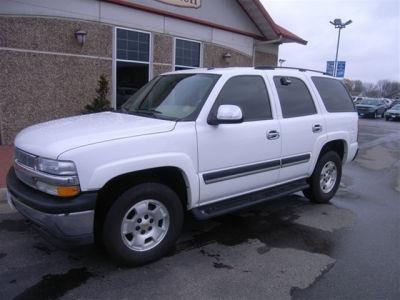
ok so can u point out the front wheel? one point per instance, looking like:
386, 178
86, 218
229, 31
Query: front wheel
143, 224
325, 180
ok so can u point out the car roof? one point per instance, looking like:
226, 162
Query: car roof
251, 71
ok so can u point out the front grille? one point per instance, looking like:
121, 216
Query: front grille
27, 160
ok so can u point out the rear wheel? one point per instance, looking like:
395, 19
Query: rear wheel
325, 180
143, 224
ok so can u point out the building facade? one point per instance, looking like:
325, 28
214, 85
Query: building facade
52, 53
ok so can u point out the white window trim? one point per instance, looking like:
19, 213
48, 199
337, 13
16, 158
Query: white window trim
174, 65
115, 60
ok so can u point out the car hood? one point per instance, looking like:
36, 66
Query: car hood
50, 139
393, 111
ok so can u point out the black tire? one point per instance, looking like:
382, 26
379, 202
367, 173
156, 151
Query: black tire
112, 236
315, 192
387, 118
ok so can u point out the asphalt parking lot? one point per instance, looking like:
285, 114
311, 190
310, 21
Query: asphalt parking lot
283, 249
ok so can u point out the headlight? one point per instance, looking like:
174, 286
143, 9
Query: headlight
55, 167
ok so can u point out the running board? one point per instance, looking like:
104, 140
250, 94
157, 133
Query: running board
243, 201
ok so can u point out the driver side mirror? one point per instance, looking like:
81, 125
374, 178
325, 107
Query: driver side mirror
227, 114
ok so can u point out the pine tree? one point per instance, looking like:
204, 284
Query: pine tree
100, 103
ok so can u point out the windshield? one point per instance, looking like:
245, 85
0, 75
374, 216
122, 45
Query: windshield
396, 107
174, 97
370, 102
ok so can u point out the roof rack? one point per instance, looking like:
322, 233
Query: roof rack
289, 68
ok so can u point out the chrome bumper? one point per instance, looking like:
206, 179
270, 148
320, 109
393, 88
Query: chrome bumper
72, 228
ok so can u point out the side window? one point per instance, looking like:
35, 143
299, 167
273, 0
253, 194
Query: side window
333, 94
294, 96
250, 94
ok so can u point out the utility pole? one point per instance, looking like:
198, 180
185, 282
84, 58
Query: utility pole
338, 25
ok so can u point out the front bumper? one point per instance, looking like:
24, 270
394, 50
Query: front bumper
66, 221
392, 116
366, 113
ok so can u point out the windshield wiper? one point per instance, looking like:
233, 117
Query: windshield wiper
149, 112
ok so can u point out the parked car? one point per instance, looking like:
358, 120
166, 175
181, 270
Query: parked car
393, 113
371, 107
395, 102
388, 102
357, 99
209, 141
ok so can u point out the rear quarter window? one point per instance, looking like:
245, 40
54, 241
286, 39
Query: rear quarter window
333, 94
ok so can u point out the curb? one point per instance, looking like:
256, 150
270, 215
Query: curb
2, 195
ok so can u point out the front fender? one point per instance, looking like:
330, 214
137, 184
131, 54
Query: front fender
104, 173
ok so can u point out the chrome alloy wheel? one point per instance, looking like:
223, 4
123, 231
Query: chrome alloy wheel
328, 177
145, 225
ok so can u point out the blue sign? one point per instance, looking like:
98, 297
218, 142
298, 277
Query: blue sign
341, 67
330, 65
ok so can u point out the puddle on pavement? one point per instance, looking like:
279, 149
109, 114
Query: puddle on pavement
274, 229
47, 249
14, 225
53, 286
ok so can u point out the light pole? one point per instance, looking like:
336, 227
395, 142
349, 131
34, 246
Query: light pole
338, 25
281, 61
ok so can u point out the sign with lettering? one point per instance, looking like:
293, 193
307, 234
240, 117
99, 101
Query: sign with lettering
183, 3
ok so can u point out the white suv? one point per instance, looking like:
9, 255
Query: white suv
210, 141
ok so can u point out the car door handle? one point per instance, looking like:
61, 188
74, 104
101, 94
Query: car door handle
317, 128
273, 135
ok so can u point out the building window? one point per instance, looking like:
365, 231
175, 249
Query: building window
132, 62
187, 54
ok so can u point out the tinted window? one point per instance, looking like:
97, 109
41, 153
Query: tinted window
294, 96
333, 94
187, 53
250, 94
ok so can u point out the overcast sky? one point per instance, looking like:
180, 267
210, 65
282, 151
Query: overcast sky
370, 46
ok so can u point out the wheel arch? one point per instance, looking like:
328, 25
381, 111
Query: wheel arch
172, 176
338, 145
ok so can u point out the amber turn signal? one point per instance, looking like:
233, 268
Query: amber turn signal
68, 191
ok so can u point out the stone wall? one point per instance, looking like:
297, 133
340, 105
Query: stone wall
45, 74
213, 57
265, 59
163, 46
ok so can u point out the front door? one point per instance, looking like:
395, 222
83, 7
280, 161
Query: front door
239, 158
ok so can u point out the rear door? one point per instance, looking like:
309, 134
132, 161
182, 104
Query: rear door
302, 126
